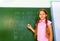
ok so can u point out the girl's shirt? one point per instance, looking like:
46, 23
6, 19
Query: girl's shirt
41, 32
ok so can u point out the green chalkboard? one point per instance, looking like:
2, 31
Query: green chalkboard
13, 23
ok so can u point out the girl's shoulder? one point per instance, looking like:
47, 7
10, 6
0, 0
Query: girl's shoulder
49, 22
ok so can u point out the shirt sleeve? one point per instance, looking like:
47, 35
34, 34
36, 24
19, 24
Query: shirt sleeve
49, 22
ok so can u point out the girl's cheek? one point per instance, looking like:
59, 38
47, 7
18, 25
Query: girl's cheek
44, 16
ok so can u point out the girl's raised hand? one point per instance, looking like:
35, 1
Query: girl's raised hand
29, 26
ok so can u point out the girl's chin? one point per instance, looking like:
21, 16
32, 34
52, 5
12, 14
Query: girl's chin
42, 19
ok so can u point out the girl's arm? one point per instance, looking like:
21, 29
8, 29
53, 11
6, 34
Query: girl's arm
51, 33
30, 27
33, 30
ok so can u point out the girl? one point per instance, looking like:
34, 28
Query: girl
43, 29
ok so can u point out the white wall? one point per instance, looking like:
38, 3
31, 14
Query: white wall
56, 19
25, 3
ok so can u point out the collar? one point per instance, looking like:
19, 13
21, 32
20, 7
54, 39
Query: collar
42, 20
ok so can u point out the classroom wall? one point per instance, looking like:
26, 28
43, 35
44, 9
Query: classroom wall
56, 19
13, 23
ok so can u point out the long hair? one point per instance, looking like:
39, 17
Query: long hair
39, 19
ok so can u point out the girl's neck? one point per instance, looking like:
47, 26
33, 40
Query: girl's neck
42, 19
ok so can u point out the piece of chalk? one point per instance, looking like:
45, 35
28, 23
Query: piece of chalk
28, 24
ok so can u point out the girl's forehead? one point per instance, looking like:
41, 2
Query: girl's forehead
41, 12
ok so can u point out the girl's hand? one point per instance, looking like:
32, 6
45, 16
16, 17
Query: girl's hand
29, 26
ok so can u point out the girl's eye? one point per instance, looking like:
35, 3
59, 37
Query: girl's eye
42, 14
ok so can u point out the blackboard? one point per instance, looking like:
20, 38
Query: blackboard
13, 23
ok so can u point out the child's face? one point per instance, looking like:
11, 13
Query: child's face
42, 15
